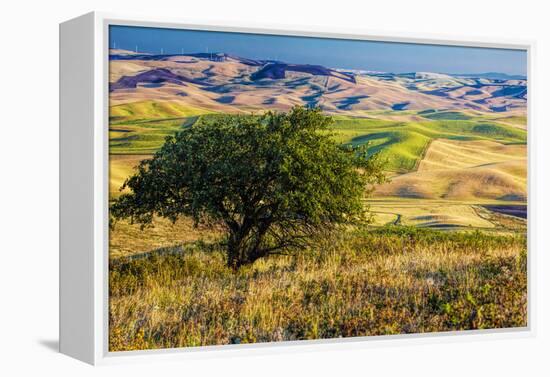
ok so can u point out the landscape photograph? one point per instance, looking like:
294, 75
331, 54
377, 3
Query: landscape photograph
267, 188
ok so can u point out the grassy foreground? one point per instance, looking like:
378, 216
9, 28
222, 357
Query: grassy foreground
392, 280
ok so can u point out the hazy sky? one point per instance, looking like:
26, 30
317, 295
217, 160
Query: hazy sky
334, 53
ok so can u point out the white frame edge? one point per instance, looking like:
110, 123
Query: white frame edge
76, 178
90, 344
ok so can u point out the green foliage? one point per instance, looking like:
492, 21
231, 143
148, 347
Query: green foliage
274, 181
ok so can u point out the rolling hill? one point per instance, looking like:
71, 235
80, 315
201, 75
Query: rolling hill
465, 170
452, 143
226, 83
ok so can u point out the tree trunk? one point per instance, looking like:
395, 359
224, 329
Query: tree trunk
241, 249
233, 252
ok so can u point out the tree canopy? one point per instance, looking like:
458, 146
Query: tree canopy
272, 181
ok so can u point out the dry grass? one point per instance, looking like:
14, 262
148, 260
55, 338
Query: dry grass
120, 168
442, 214
389, 281
465, 170
453, 154
128, 239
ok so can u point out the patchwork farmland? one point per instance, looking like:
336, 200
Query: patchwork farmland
446, 246
444, 166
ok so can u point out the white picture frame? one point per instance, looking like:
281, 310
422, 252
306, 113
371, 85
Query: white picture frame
84, 191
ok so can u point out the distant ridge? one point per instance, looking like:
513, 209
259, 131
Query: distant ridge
490, 75
229, 83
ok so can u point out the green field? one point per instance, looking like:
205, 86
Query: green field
402, 144
149, 110
137, 130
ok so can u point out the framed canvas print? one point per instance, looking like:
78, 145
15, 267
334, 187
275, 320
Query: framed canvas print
233, 189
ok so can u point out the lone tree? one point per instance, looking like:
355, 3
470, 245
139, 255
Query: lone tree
273, 181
